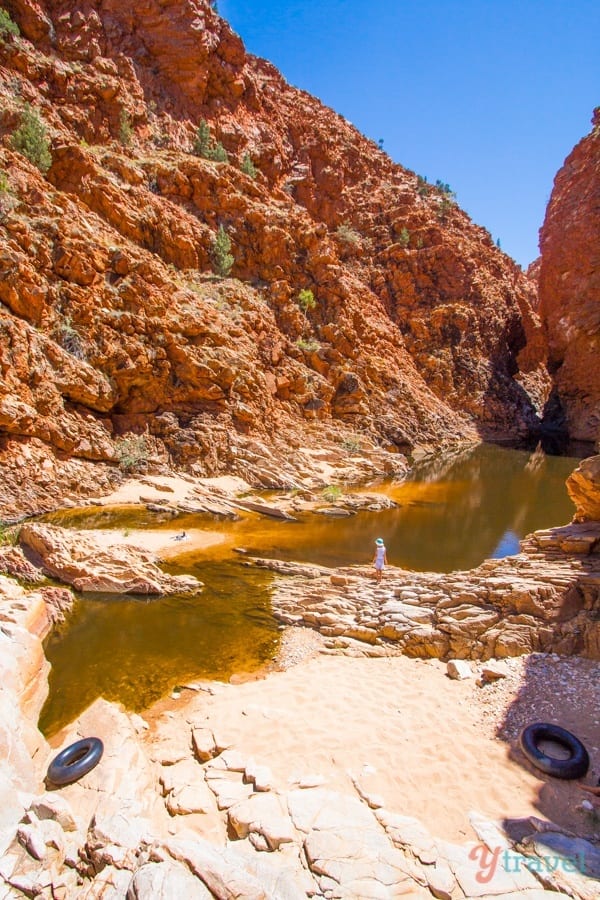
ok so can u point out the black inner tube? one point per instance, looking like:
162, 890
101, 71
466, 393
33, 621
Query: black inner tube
75, 761
574, 767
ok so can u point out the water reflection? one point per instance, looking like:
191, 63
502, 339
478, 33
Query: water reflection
454, 512
508, 545
135, 651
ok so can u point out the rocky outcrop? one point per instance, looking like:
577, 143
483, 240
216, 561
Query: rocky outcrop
177, 810
79, 560
569, 284
121, 347
547, 598
26, 618
583, 486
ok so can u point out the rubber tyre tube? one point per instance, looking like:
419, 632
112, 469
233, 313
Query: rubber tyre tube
574, 767
75, 761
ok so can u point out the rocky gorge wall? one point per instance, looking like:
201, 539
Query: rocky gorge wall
569, 283
118, 341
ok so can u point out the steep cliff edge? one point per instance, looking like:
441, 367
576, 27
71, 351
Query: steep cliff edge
113, 323
569, 284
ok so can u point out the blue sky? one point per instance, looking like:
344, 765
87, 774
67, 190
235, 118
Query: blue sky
487, 96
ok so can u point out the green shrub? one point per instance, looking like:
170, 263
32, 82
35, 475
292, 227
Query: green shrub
30, 139
404, 238
132, 452
444, 207
352, 443
203, 139
9, 534
309, 345
7, 200
444, 188
347, 234
8, 28
125, 128
219, 153
69, 338
332, 493
248, 167
221, 253
206, 147
422, 186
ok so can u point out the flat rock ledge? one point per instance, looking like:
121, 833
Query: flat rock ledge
545, 599
80, 561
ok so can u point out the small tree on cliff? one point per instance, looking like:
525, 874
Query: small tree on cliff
125, 128
248, 167
221, 253
404, 237
203, 139
30, 139
206, 147
306, 300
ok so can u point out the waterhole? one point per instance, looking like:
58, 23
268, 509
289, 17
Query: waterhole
453, 513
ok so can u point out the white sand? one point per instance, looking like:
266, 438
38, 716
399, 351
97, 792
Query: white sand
410, 734
159, 542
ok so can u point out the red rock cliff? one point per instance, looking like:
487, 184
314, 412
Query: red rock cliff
569, 284
112, 322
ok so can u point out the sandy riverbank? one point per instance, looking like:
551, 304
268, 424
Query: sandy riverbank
427, 745
164, 543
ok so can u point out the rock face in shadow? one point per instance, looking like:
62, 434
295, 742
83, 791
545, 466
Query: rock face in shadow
115, 327
79, 560
569, 284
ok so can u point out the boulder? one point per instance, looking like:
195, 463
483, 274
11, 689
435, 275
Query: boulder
583, 486
56, 807
222, 871
459, 669
167, 880
264, 814
493, 670
81, 561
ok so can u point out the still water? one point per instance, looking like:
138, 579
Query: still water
453, 513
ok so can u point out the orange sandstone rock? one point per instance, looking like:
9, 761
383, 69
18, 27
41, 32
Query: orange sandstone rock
112, 322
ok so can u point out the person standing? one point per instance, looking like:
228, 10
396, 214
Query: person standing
380, 558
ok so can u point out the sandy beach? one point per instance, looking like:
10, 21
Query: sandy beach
164, 543
426, 745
